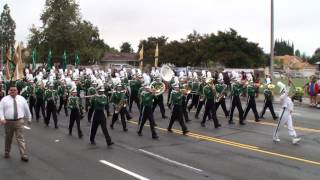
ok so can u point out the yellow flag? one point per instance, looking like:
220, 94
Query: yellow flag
141, 57
18, 73
141, 53
156, 56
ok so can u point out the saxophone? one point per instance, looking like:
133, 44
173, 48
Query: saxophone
221, 94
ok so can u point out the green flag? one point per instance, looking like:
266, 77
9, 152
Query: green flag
34, 59
77, 60
64, 60
50, 63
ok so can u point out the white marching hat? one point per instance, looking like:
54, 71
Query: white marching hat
281, 86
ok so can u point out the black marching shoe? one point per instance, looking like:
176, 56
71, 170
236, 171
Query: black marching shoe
110, 143
24, 159
92, 143
185, 132
169, 130
242, 123
203, 124
155, 136
230, 122
217, 126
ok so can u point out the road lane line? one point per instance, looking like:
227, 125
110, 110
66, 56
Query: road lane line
137, 176
296, 127
169, 160
273, 124
26, 127
239, 145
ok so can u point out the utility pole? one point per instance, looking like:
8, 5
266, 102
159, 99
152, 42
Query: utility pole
272, 39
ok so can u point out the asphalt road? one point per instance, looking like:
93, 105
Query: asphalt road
231, 152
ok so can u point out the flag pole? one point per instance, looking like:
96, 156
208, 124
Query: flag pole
156, 56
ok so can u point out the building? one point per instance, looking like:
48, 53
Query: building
112, 60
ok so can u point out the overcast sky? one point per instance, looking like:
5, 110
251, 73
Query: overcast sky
134, 20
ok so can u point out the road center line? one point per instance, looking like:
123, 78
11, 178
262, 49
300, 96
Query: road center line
239, 145
137, 176
169, 160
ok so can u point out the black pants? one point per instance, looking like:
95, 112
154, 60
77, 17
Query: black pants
268, 104
147, 114
51, 109
210, 112
199, 107
134, 98
169, 94
63, 102
251, 105
32, 104
40, 104
122, 116
99, 118
184, 110
177, 115
159, 101
75, 117
91, 110
194, 102
222, 102
236, 103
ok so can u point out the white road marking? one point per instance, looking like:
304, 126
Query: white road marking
123, 170
26, 127
57, 140
169, 160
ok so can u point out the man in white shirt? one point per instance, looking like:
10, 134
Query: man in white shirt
14, 110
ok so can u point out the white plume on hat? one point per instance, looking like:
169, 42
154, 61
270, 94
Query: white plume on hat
282, 87
146, 79
209, 75
195, 74
181, 74
204, 74
190, 74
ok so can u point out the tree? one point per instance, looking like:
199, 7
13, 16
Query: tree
297, 53
226, 48
126, 48
149, 47
7, 28
282, 48
315, 57
63, 30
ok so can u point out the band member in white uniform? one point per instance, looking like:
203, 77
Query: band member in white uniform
286, 115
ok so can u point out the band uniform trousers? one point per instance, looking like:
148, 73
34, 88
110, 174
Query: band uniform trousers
64, 102
251, 105
222, 102
210, 112
11, 128
91, 110
75, 117
134, 98
199, 107
169, 94
51, 109
147, 114
122, 116
236, 103
32, 104
184, 110
177, 115
99, 118
40, 105
268, 104
286, 119
159, 101
194, 102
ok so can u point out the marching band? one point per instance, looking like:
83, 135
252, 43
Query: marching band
80, 91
